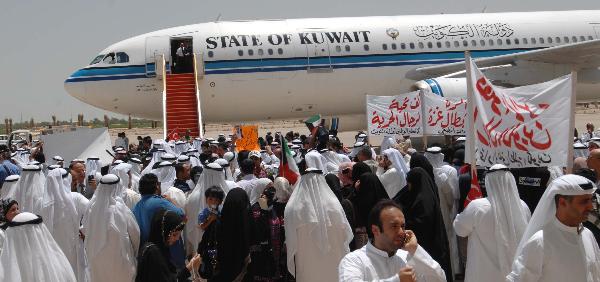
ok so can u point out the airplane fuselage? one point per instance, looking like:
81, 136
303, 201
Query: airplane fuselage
278, 69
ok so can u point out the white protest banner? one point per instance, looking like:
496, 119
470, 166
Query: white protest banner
395, 115
521, 127
444, 115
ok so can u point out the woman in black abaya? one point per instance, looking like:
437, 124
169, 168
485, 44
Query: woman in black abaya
423, 216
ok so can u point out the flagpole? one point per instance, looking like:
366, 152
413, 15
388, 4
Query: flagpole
572, 120
470, 111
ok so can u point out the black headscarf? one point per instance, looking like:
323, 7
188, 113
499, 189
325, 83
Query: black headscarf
5, 206
164, 222
358, 169
234, 234
367, 195
335, 185
419, 160
423, 216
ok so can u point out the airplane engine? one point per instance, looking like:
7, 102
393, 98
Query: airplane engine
442, 86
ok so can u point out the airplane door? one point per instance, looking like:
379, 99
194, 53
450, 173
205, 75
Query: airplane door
597, 30
318, 57
155, 47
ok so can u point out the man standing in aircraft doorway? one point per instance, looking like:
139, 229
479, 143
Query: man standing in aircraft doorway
180, 57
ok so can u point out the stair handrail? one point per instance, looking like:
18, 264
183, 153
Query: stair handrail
200, 124
164, 95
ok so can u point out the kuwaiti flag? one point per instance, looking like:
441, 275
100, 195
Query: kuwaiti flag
288, 167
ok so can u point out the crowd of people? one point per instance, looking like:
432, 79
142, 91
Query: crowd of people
303, 208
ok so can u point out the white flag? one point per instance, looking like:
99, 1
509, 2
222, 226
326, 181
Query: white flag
395, 115
444, 115
521, 127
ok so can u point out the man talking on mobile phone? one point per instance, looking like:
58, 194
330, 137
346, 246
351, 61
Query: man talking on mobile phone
392, 253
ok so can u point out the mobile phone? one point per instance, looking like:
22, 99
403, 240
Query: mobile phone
90, 177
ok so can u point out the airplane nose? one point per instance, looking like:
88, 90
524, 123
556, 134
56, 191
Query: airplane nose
74, 88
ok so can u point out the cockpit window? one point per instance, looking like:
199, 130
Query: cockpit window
122, 57
109, 59
97, 59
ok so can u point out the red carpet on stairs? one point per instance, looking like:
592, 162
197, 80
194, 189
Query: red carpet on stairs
181, 105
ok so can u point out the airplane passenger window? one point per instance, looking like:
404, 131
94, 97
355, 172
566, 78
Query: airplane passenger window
482, 42
338, 48
394, 46
347, 47
250, 52
516, 41
499, 41
541, 40
566, 38
574, 38
549, 40
491, 42
421, 45
590, 37
447, 44
465, 43
507, 41
211, 54
97, 59
582, 38
261, 52
429, 45
366, 47
279, 51
533, 41
456, 44
557, 39
270, 51
412, 45
384, 46
525, 41
439, 44
473, 43
241, 52
109, 59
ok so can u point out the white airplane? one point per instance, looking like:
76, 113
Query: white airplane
280, 69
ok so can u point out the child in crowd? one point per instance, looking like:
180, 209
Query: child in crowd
214, 197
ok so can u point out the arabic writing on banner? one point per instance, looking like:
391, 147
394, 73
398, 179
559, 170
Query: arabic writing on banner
521, 127
395, 115
247, 138
444, 116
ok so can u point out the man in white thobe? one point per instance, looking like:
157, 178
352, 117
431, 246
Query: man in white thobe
61, 218
392, 255
130, 197
446, 179
31, 254
494, 226
392, 172
166, 176
316, 229
555, 246
30, 191
112, 235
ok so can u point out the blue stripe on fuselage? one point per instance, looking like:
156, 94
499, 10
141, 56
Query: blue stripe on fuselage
291, 64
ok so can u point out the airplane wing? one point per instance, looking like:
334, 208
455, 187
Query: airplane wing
511, 69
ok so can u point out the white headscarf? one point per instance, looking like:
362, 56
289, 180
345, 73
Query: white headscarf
166, 175
283, 189
435, 156
30, 193
567, 185
509, 216
313, 204
212, 175
135, 173
180, 147
332, 161
31, 254
129, 196
92, 165
315, 160
156, 158
9, 187
580, 150
225, 165
401, 169
387, 142
60, 215
261, 185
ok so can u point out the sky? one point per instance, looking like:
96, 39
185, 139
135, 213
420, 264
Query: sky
43, 42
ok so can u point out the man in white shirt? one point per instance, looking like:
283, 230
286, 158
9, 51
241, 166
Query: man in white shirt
392, 255
555, 245
494, 226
